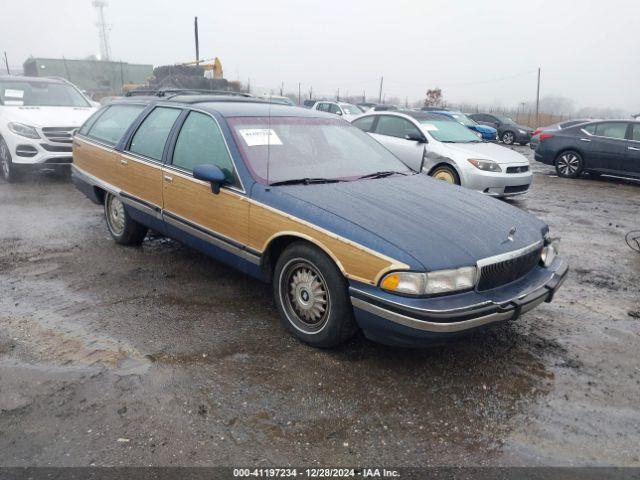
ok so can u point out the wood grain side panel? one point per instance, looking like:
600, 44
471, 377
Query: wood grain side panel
100, 162
226, 214
140, 179
355, 261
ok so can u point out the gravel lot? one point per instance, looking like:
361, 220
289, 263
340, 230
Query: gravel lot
158, 355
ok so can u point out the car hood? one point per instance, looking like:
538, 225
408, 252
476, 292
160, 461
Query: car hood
483, 128
489, 151
47, 116
439, 225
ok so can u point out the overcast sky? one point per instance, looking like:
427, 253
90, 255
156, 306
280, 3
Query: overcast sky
480, 51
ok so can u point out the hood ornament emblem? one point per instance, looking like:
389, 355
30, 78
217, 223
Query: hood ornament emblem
511, 234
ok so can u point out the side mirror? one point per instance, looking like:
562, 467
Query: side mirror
415, 137
339, 113
211, 174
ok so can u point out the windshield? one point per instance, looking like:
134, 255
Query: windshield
462, 118
449, 132
309, 148
350, 109
507, 120
40, 94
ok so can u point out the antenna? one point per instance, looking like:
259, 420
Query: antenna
103, 29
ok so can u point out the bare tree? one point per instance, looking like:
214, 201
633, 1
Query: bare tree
434, 97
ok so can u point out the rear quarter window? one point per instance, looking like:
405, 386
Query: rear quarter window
111, 125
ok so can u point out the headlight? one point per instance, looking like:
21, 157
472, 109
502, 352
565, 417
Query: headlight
522, 131
430, 283
548, 255
479, 135
23, 130
486, 165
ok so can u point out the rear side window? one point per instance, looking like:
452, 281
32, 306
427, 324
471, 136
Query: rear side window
635, 135
112, 124
201, 142
365, 124
612, 130
152, 135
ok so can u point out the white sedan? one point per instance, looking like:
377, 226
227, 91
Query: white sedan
446, 150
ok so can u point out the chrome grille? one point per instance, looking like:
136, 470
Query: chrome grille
501, 273
58, 134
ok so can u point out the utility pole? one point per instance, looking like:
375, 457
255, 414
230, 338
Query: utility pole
364, 96
311, 93
299, 93
197, 37
6, 63
281, 88
249, 85
338, 96
538, 101
380, 95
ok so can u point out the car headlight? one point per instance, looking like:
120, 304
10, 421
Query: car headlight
548, 255
479, 135
23, 130
430, 283
486, 165
522, 131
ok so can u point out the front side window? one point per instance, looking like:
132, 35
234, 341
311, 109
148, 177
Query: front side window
112, 124
152, 134
612, 130
335, 109
395, 127
201, 142
590, 129
323, 107
290, 148
365, 124
40, 94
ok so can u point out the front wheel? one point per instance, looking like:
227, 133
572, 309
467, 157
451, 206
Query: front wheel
123, 229
508, 138
7, 169
569, 164
446, 174
312, 297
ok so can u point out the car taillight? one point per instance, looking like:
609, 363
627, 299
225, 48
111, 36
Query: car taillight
536, 132
544, 136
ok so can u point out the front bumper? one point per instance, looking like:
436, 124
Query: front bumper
37, 152
414, 322
500, 184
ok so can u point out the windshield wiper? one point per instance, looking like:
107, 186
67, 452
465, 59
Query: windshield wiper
305, 181
381, 174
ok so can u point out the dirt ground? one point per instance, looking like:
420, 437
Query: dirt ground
160, 356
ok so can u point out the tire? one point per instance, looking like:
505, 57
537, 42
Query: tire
446, 174
122, 227
569, 164
312, 298
7, 168
508, 137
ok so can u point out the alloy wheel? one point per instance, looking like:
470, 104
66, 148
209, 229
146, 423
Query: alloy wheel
4, 160
115, 215
507, 138
305, 295
568, 164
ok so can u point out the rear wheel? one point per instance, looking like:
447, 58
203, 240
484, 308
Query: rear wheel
446, 174
508, 138
311, 296
569, 164
122, 227
7, 169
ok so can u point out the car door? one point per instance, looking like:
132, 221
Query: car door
139, 170
606, 149
632, 160
393, 133
191, 210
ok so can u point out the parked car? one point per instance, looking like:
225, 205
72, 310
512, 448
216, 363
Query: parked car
37, 119
345, 110
309, 103
606, 146
365, 106
484, 132
278, 100
509, 132
385, 108
434, 109
535, 136
442, 148
348, 235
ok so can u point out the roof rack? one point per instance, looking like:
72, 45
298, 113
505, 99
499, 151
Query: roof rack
172, 92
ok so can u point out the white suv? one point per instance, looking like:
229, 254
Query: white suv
37, 120
347, 111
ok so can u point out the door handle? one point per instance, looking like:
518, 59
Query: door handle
634, 149
124, 162
168, 179
585, 140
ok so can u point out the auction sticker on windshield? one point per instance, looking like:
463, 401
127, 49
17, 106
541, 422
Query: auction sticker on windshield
10, 93
260, 136
430, 128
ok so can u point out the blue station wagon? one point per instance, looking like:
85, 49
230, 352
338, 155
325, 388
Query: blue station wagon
349, 237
